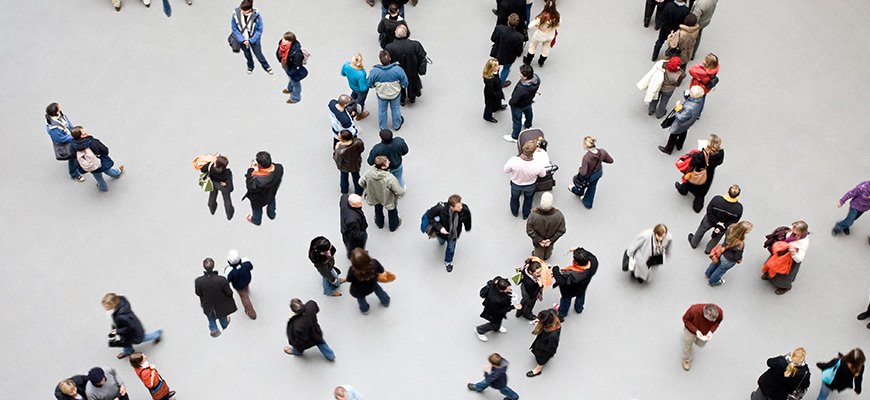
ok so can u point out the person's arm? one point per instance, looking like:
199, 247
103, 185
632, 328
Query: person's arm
355, 231
116, 376
605, 156
561, 230
636, 244
531, 232
362, 182
237, 33
230, 180
226, 289
494, 37
403, 147
467, 221
258, 29
688, 320
855, 192
508, 168
363, 82
403, 78
58, 135
858, 380
584, 166
395, 187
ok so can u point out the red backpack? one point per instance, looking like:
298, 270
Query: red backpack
683, 162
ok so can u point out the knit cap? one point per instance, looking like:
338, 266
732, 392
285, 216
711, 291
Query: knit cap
673, 64
96, 375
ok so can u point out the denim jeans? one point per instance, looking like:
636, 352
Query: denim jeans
213, 319
701, 108
295, 89
565, 304
344, 185
328, 286
505, 391
850, 219
716, 270
167, 9
101, 183
589, 193
451, 249
528, 14
824, 392
392, 216
257, 213
528, 192
395, 111
397, 172
324, 349
72, 166
517, 117
382, 296
258, 52
505, 71
149, 336
360, 98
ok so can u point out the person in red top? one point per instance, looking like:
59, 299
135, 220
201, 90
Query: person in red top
147, 372
700, 320
702, 74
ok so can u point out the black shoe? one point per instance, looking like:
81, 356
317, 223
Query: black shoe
846, 231
541, 60
449, 267
402, 103
527, 59
664, 149
868, 326
502, 107
679, 148
413, 100
639, 280
494, 12
493, 120
171, 393
863, 315
692, 236
532, 374
834, 232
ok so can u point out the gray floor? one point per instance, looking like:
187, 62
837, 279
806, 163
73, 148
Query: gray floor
159, 91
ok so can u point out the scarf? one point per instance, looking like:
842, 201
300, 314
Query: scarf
556, 325
283, 50
577, 268
454, 223
263, 171
791, 237
729, 199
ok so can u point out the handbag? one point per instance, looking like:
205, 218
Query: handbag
828, 374
799, 392
63, 151
517, 277
717, 252
234, 44
386, 277
205, 182
423, 66
669, 120
657, 259
698, 178
628, 263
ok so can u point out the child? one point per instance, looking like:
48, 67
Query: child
495, 375
148, 374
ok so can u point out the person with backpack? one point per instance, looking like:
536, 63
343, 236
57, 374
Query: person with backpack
222, 181
238, 273
704, 162
574, 279
303, 330
93, 156
706, 76
58, 127
292, 58
262, 181
152, 380
497, 302
247, 26
724, 257
445, 221
356, 79
859, 203
785, 375
841, 373
348, 160
389, 23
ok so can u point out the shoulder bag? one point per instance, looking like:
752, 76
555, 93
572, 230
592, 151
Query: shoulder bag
669, 120
386, 277
799, 392
657, 259
698, 178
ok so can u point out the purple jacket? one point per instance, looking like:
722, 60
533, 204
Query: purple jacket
860, 196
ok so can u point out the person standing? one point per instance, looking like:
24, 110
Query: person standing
722, 211
703, 9
672, 16
859, 202
705, 76
394, 148
524, 172
152, 380
389, 23
545, 226
105, 384
505, 8
388, 79
247, 26
785, 375
126, 328
842, 372
672, 78
507, 46
346, 392
574, 279
657, 6
353, 222
291, 57
222, 181
712, 156
238, 272
547, 330
700, 322
72, 388
385, 5
262, 181
532, 286
411, 57
303, 330
793, 248
521, 101
731, 255
58, 127
683, 40
591, 170
363, 277
348, 159
497, 300
446, 220
93, 156
492, 91
685, 115
546, 22
215, 297
495, 376
356, 79
649, 249
341, 114
382, 190
322, 254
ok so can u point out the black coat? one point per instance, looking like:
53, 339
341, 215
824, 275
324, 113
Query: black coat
507, 44
80, 380
410, 55
671, 17
496, 304
545, 345
387, 29
843, 378
529, 285
225, 176
262, 189
492, 93
438, 217
386, 3
697, 163
775, 385
303, 331
126, 323
524, 93
508, 7
98, 148
215, 294
572, 283
353, 224
360, 288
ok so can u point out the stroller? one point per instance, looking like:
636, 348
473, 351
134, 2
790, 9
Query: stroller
547, 182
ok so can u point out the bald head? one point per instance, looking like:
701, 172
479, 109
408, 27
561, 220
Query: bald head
401, 31
354, 200
340, 393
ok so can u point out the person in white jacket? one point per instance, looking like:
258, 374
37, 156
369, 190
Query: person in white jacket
650, 248
659, 84
546, 22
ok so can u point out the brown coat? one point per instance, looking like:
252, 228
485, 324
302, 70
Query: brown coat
348, 158
545, 225
672, 80
685, 39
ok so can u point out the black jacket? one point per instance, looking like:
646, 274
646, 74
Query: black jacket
530, 287
720, 210
387, 29
572, 283
410, 55
492, 93
843, 378
775, 385
80, 380
439, 215
545, 344
698, 163
303, 331
496, 304
360, 288
671, 17
225, 176
353, 224
127, 324
262, 189
507, 44
215, 294
386, 3
524, 93
508, 7
98, 148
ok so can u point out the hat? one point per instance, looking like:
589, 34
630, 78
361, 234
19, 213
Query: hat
546, 201
674, 64
96, 375
386, 136
233, 257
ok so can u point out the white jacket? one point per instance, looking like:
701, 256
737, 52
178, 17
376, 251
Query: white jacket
652, 81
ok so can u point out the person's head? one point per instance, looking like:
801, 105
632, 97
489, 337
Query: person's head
339, 393
527, 72
495, 359
345, 135
546, 201
690, 20
546, 319
401, 32
296, 306
208, 264
854, 359
490, 69
290, 37
714, 144
361, 264
386, 136
354, 200
542, 143
110, 301
264, 159
589, 142
393, 9
137, 359
68, 387
696, 91
357, 60
385, 58
97, 376
734, 191
737, 233
247, 6
455, 202
382, 162
800, 228
233, 257
52, 111
711, 313
502, 284
549, 13
673, 64
77, 132
581, 256
529, 148
711, 61
513, 20
343, 101
319, 246
220, 163
796, 358
660, 231
533, 266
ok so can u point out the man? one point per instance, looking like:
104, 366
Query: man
521, 101
859, 202
353, 222
303, 331
703, 9
262, 180
348, 159
722, 211
388, 79
657, 6
105, 384
215, 297
685, 116
58, 127
341, 113
524, 172
507, 45
385, 5
346, 392
671, 17
389, 23
382, 190
446, 221
93, 156
574, 279
247, 25
393, 147
238, 272
507, 7
700, 321
545, 226
72, 388
412, 58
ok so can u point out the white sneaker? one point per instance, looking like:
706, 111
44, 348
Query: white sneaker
509, 138
482, 338
147, 3
502, 330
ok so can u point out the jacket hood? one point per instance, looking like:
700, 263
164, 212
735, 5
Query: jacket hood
379, 174
386, 67
690, 29
82, 144
123, 306
534, 83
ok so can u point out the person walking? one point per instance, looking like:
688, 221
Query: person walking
341, 114
348, 159
574, 279
126, 328
685, 115
547, 331
495, 376
672, 77
353, 222
394, 148
705, 76
672, 15
322, 254
363, 277
507, 46
591, 170
388, 24
859, 203
841, 373
545, 226
303, 330
247, 26
222, 181
382, 190
411, 57
700, 322
492, 91
710, 157
722, 211
649, 249
681, 43
524, 172
546, 22
58, 127
535, 276
730, 255
72, 388
785, 375
703, 9
238, 273
105, 384
152, 380
521, 101
262, 181
791, 250
497, 301
388, 79
356, 79
446, 221
215, 297
292, 60
93, 156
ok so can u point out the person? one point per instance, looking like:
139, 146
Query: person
105, 384
521, 101
72, 388
505, 8
497, 301
495, 376
657, 6
356, 79
796, 242
247, 26
152, 380
93, 156
672, 78
126, 328
683, 40
353, 222
222, 181
574, 279
385, 6
785, 374
591, 169
215, 297
303, 330
547, 331
722, 211
848, 370
545, 226
341, 114
291, 58
389, 23
507, 46
532, 285
524, 172
707, 159
382, 190
238, 273
700, 322
671, 16
348, 159
685, 116
346, 392
704, 75
703, 9
363, 277
322, 254
411, 57
446, 220
262, 181
394, 148
649, 249
388, 79
492, 91
731, 255
546, 22
58, 127
859, 202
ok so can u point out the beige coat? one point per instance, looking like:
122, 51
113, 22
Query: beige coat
381, 187
685, 39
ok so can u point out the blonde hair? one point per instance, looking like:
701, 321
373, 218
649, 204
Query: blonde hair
801, 226
714, 144
711, 61
797, 357
67, 386
737, 233
111, 300
357, 60
589, 142
490, 68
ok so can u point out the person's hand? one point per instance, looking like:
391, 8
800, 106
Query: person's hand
518, 307
699, 335
223, 183
114, 332
708, 336
839, 204
571, 250
246, 43
443, 231
122, 390
792, 250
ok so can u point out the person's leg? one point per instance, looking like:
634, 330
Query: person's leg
710, 269
343, 184
296, 93
382, 295
589, 197
363, 304
326, 351
382, 113
545, 48
379, 216
850, 219
528, 303
245, 296
212, 322
697, 44
393, 218
714, 237
270, 210
703, 227
505, 71
688, 341
528, 197
259, 53
721, 268
539, 251
72, 168
664, 98
528, 16
246, 50
481, 386
701, 108
328, 288
451, 249
357, 188
528, 113
681, 140
515, 199
579, 302
361, 100
658, 46
648, 12
128, 350
212, 201
396, 113
228, 203
153, 335
517, 119
564, 306
824, 392
398, 174
256, 215
548, 251
167, 9
653, 104
488, 327
669, 147
384, 12
487, 115
224, 321
506, 391
698, 203
101, 183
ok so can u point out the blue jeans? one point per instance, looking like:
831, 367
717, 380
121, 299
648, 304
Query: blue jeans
328, 286
213, 319
528, 14
167, 9
589, 194
528, 192
295, 89
824, 392
517, 117
505, 391
398, 174
324, 349
382, 296
451, 249
360, 98
149, 336
701, 108
344, 185
258, 52
257, 213
850, 219
716, 270
101, 183
395, 111
505, 71
392, 216
565, 304
73, 167
401, 11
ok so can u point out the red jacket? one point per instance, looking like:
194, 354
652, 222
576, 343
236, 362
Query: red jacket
159, 389
694, 319
700, 76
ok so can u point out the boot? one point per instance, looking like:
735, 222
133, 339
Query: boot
541, 60
527, 59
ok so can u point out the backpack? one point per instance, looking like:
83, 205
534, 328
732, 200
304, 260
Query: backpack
683, 162
88, 160
712, 83
485, 289
305, 55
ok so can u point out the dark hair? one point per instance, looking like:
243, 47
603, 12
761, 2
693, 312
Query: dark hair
345, 135
454, 200
318, 246
208, 264
296, 306
76, 132
581, 256
381, 162
513, 20
246, 5
855, 360
734, 191
53, 110
136, 359
220, 163
361, 264
290, 37
385, 58
394, 8
501, 284
495, 359
532, 265
691, 20
264, 159
527, 71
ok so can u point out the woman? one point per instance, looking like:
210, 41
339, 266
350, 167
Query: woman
363, 278
222, 181
290, 55
709, 158
531, 286
684, 39
731, 255
685, 115
322, 254
126, 328
546, 342
797, 241
492, 90
702, 74
841, 372
647, 250
590, 171
152, 380
673, 77
784, 375
58, 127
356, 79
546, 22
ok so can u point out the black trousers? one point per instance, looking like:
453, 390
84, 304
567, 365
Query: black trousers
489, 326
228, 201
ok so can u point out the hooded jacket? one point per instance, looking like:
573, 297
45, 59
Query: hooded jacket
126, 323
98, 148
263, 188
684, 39
381, 187
497, 376
388, 80
239, 275
524, 92
303, 330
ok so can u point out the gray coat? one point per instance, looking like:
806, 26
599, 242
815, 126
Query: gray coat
703, 9
641, 248
109, 390
686, 117
381, 187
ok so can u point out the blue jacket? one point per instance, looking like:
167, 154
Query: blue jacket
255, 29
356, 78
57, 134
100, 150
239, 275
388, 73
497, 376
686, 117
293, 63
